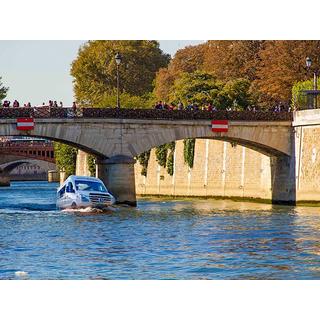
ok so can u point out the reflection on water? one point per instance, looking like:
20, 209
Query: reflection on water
181, 239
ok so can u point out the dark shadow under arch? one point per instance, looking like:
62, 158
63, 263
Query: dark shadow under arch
8, 168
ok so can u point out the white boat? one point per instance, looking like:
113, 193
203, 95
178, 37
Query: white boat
83, 192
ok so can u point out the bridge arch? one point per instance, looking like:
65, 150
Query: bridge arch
7, 168
271, 140
10, 162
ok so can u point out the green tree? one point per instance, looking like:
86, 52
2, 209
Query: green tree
66, 157
199, 87
235, 93
3, 91
202, 87
94, 70
299, 99
126, 100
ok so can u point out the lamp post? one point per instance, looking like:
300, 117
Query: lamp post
118, 59
315, 80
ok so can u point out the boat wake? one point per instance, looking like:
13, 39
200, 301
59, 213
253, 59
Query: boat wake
91, 210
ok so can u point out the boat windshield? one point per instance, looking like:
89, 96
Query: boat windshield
86, 185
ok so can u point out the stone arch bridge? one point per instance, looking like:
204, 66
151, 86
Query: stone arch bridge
15, 153
116, 136
28, 149
9, 162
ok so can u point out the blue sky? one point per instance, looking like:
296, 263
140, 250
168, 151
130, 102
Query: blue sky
38, 71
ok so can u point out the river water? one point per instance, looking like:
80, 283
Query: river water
160, 239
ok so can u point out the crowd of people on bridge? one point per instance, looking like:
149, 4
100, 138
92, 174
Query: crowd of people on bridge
162, 105
51, 103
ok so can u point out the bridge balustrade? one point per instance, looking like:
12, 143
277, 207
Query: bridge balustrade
151, 114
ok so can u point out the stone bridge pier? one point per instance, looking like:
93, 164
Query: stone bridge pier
118, 175
283, 184
4, 179
116, 172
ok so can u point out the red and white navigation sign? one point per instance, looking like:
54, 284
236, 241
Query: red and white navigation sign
219, 125
25, 124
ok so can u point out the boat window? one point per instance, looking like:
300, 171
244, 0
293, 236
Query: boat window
86, 185
70, 188
62, 191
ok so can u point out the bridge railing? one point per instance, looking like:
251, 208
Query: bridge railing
27, 144
144, 114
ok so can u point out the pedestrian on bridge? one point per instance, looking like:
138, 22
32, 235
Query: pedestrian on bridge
74, 108
6, 104
15, 104
180, 105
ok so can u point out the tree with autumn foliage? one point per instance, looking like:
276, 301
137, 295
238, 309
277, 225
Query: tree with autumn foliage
282, 63
187, 60
272, 67
94, 70
232, 59
227, 60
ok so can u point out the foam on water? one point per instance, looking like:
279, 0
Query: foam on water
21, 274
91, 210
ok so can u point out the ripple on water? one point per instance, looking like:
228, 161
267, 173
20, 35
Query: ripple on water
181, 239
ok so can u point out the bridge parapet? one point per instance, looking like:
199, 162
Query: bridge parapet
115, 113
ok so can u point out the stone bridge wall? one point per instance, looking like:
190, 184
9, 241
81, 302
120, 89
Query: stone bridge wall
307, 149
220, 170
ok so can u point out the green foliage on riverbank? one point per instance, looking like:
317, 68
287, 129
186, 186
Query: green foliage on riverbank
66, 157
